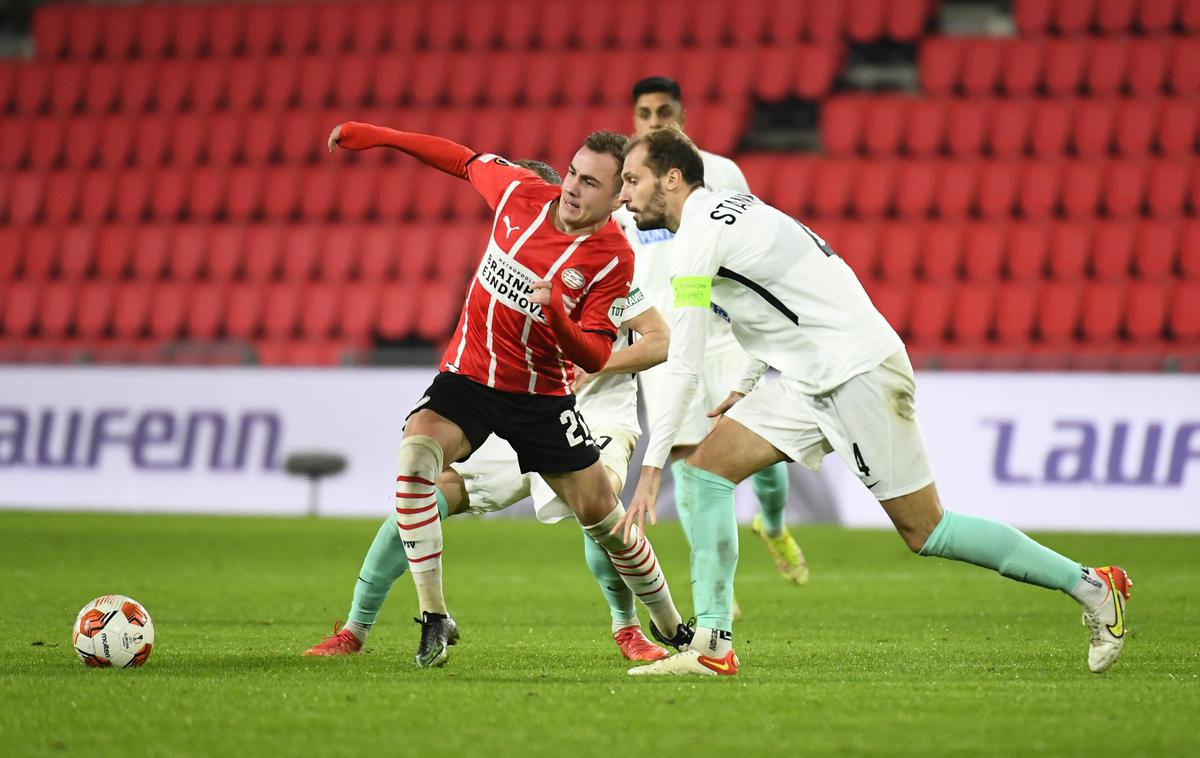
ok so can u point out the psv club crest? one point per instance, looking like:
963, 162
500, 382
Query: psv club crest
573, 279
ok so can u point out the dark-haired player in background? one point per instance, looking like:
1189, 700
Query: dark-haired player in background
553, 280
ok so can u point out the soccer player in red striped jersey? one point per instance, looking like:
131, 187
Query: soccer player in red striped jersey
548, 294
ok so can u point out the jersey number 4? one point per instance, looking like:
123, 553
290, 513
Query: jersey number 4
576, 428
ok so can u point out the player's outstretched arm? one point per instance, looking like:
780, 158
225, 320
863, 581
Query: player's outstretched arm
442, 154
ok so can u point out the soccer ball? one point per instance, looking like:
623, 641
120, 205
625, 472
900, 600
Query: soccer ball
113, 630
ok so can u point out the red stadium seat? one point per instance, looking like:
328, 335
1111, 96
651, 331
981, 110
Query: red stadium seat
919, 180
1166, 187
1184, 316
33, 87
357, 314
66, 87
280, 80
858, 246
379, 253
884, 124
1115, 16
226, 27
835, 178
1032, 16
1008, 128
133, 195
1065, 60
981, 65
940, 61
319, 315
998, 182
971, 312
103, 89
56, 308
1112, 251
955, 194
112, 251
138, 83
16, 134
1093, 127
281, 192
281, 311
1101, 311
154, 30
85, 32
1058, 312
41, 252
864, 20
131, 309
1155, 252
62, 197
207, 196
941, 253
82, 142
1147, 67
1134, 127
153, 140
50, 38
1073, 17
1069, 245
1106, 63
431, 86
776, 69
76, 252
226, 252
906, 19
438, 312
246, 83
929, 314
1146, 311
174, 85
148, 253
46, 147
1124, 188
118, 29
207, 303
1082, 184
818, 66
874, 184
169, 303
1027, 250
842, 120
1176, 126
20, 307
1189, 16
1184, 75
795, 184
1155, 16
189, 251
26, 193
262, 252
1015, 312
983, 251
1189, 250
1040, 188
301, 251
247, 305
95, 309
210, 85
397, 314
303, 134
1024, 62
340, 250
1049, 128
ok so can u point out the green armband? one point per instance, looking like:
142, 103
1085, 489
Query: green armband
692, 291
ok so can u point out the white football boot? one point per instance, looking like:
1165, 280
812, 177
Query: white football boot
690, 661
1107, 621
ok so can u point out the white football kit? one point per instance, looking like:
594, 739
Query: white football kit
608, 404
846, 384
726, 358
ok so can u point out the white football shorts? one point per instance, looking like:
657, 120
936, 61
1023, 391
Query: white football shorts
870, 421
494, 481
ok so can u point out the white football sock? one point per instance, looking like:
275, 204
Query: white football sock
417, 467
638, 567
715, 643
358, 629
1091, 590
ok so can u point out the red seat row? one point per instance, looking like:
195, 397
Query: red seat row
256, 253
191, 30
1057, 313
988, 189
295, 352
1023, 66
1010, 128
416, 80
243, 310
259, 138
1028, 251
1035, 17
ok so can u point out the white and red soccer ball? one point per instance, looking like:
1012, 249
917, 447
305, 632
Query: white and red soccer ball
113, 631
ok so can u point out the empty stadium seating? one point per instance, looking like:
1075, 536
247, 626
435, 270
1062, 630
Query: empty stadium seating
1036, 203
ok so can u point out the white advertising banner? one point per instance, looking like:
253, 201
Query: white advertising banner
1084, 452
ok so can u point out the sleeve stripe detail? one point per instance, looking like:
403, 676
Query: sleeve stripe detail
603, 273
473, 157
762, 291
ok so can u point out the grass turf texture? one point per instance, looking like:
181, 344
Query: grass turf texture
883, 653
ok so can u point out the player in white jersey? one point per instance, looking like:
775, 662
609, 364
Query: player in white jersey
491, 480
846, 386
658, 104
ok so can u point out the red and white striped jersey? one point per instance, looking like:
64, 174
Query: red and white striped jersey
502, 339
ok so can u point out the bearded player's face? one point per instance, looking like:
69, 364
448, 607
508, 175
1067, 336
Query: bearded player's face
642, 193
590, 189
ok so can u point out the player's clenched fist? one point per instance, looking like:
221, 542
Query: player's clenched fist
542, 291
335, 137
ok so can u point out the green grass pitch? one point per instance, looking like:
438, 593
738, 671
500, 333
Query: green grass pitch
882, 654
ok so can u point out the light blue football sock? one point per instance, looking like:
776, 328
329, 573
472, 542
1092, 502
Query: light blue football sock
616, 594
683, 506
771, 489
384, 563
1002, 548
714, 546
